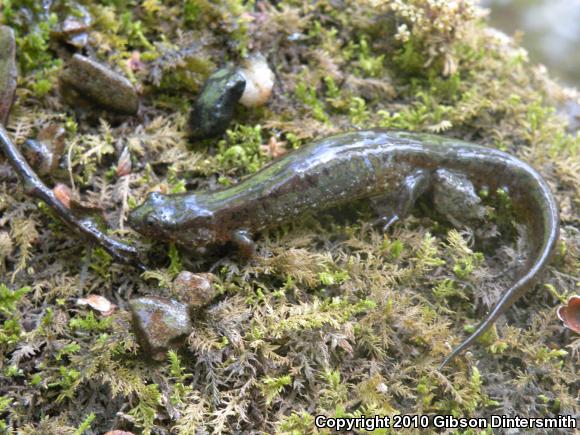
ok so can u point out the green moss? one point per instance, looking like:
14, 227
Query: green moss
272, 387
192, 11
101, 262
297, 423
370, 65
175, 265
86, 424
307, 95
90, 323
241, 149
9, 298
144, 412
333, 317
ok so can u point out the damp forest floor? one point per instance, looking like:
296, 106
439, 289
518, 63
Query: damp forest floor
333, 316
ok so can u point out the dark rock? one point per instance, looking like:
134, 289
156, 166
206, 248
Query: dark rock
44, 153
71, 32
160, 323
194, 289
86, 81
74, 23
214, 108
8, 71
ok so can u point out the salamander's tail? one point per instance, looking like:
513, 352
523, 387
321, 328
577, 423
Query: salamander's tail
540, 211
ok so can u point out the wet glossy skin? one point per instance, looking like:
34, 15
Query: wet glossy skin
390, 168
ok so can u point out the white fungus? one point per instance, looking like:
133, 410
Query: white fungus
259, 81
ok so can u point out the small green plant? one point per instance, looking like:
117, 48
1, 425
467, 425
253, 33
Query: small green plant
90, 323
181, 391
307, 95
10, 332
241, 149
272, 387
65, 382
146, 409
9, 299
369, 64
331, 278
86, 424
175, 265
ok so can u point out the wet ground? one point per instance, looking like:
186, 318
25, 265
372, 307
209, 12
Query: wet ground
551, 32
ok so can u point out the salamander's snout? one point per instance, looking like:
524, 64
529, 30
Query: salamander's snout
182, 219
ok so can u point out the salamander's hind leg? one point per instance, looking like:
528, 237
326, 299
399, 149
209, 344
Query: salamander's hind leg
395, 205
454, 196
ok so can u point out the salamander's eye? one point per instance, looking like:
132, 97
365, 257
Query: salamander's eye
150, 220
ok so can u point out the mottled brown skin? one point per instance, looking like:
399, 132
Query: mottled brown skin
390, 168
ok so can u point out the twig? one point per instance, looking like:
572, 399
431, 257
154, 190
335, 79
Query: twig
34, 187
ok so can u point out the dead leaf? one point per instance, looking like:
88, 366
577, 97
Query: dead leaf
63, 194
124, 165
570, 314
98, 303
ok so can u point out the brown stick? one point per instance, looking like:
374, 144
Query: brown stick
34, 187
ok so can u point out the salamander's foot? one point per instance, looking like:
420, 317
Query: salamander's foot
455, 197
395, 205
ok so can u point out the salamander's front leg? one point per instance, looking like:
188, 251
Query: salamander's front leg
454, 196
395, 205
244, 242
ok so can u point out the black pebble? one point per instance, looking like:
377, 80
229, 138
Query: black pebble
214, 108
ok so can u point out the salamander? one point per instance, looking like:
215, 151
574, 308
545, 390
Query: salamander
391, 169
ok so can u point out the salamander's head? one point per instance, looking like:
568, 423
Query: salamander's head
180, 219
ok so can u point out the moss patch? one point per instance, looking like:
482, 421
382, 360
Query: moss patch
333, 317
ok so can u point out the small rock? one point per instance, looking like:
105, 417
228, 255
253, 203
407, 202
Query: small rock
73, 25
8, 71
72, 31
194, 289
214, 109
43, 153
160, 323
95, 83
259, 81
